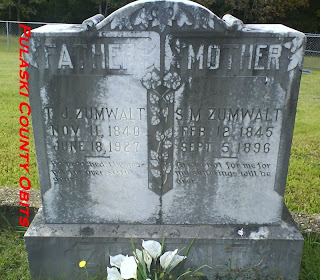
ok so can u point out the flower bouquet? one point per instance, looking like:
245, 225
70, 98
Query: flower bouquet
150, 263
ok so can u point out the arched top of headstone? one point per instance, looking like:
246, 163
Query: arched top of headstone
160, 15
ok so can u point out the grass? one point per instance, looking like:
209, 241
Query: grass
310, 264
10, 99
312, 62
303, 183
13, 261
13, 43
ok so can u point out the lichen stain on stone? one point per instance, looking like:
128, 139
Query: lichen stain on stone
31, 56
296, 48
262, 233
87, 231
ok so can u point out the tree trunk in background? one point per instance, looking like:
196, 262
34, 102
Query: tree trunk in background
18, 10
106, 11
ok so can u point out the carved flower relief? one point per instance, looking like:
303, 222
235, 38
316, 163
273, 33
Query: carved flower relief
160, 167
163, 137
121, 23
157, 113
184, 18
172, 80
153, 17
151, 80
142, 18
207, 22
156, 157
166, 167
162, 17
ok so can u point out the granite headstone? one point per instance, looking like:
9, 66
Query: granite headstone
163, 119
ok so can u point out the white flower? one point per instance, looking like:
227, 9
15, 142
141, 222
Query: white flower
116, 260
171, 259
128, 268
152, 247
113, 274
138, 256
146, 258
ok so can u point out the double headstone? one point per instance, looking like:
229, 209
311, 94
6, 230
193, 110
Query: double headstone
164, 120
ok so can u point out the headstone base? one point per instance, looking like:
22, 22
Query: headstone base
233, 251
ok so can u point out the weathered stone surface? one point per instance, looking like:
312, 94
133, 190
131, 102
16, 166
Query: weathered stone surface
95, 126
236, 251
10, 203
164, 113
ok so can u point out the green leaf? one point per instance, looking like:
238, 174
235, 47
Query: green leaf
132, 245
198, 274
189, 247
144, 264
199, 268
180, 265
162, 243
183, 274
